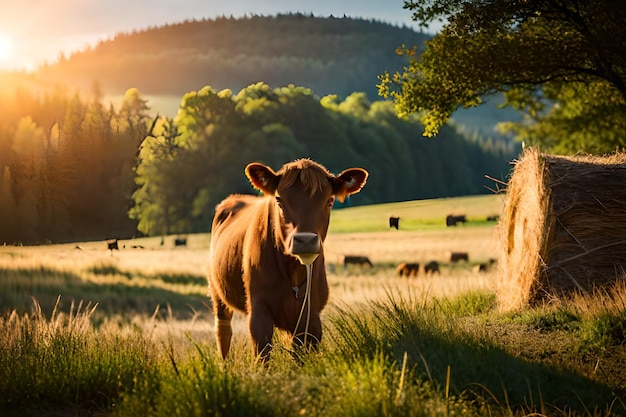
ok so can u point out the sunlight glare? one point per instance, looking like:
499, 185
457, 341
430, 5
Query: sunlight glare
6, 48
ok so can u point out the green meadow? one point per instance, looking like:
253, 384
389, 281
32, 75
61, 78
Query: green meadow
92, 332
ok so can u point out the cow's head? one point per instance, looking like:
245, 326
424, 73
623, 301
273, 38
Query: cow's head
304, 192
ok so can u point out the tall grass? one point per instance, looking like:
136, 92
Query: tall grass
63, 363
322, 384
464, 356
200, 385
397, 356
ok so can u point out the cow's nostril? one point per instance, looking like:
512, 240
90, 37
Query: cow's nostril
306, 247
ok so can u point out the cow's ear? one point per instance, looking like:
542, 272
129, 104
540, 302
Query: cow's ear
349, 182
262, 178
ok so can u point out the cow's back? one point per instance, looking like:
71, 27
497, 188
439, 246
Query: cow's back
233, 218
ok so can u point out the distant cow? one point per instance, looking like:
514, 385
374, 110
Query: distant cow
112, 245
459, 256
408, 269
452, 220
432, 267
394, 222
180, 241
261, 248
493, 218
356, 260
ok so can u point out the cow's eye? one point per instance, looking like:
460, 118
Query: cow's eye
331, 201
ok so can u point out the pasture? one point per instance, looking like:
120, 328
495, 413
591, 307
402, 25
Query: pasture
96, 332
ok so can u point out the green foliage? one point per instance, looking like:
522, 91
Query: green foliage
73, 180
217, 134
606, 330
548, 319
588, 118
470, 304
561, 62
157, 199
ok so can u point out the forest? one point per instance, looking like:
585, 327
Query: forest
74, 169
75, 166
329, 55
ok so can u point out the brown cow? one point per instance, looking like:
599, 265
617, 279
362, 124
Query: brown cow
408, 269
255, 242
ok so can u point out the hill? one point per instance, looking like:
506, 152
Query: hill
328, 55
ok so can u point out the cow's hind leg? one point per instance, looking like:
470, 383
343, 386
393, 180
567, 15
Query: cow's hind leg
223, 330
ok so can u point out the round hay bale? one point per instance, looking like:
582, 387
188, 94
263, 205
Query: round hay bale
562, 229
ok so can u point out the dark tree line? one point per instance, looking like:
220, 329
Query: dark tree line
72, 168
66, 165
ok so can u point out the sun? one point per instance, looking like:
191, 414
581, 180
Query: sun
6, 48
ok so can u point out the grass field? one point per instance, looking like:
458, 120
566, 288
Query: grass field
416, 215
426, 345
422, 237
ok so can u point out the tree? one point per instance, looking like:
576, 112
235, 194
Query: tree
157, 204
561, 62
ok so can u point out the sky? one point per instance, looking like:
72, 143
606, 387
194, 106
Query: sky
35, 31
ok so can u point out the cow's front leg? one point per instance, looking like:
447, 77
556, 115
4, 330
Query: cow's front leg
261, 329
223, 329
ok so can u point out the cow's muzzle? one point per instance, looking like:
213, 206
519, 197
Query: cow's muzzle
306, 247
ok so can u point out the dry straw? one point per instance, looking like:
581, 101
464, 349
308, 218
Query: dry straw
563, 227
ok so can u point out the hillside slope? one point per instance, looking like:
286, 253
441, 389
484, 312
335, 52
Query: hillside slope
328, 55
